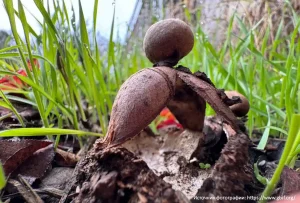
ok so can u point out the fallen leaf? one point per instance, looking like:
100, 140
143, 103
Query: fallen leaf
166, 121
14, 153
12, 82
36, 165
63, 158
168, 156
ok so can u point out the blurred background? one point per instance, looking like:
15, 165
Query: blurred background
133, 17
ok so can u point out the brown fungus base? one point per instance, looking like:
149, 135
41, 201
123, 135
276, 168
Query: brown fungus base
116, 175
112, 174
232, 175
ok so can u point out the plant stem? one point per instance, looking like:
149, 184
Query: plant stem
295, 129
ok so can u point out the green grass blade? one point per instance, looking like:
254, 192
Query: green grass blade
46, 16
2, 177
27, 132
264, 139
95, 12
12, 108
293, 133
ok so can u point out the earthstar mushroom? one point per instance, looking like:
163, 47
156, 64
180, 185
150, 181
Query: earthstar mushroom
143, 95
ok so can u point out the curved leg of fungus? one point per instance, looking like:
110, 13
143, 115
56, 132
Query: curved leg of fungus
239, 109
146, 93
139, 101
232, 172
210, 95
187, 107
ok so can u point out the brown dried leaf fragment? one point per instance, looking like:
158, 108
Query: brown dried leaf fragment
36, 166
63, 158
14, 153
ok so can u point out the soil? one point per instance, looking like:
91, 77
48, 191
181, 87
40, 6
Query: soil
165, 168
116, 175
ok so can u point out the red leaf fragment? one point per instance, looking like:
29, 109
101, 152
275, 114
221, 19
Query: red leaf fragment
169, 123
9, 82
166, 119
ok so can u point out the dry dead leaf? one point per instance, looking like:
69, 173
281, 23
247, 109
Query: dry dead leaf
168, 156
14, 153
66, 159
36, 165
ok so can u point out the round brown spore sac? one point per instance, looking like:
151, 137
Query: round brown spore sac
240, 109
168, 41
